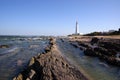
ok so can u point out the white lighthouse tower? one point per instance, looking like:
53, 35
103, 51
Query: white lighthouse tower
76, 29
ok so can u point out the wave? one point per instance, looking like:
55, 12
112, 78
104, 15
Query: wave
12, 50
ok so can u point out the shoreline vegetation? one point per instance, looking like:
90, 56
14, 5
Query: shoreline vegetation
109, 33
50, 65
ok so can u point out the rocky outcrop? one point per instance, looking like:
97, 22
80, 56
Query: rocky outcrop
104, 49
50, 65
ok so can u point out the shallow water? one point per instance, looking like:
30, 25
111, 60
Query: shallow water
16, 57
92, 66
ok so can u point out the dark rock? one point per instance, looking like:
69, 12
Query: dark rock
47, 49
102, 51
90, 52
4, 46
21, 39
83, 44
94, 40
74, 45
110, 45
82, 48
62, 40
51, 41
111, 60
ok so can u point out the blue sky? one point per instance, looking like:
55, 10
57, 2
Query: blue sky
57, 17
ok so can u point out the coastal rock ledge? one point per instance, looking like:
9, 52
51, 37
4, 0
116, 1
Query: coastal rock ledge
50, 65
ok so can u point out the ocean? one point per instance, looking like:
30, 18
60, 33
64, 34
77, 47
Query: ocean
15, 57
92, 67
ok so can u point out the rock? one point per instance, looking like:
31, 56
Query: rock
19, 77
74, 45
50, 66
62, 40
4, 46
31, 74
94, 40
47, 49
83, 44
110, 45
111, 60
105, 49
21, 39
52, 41
89, 52
32, 61
102, 51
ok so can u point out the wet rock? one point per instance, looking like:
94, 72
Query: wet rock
105, 49
32, 61
31, 74
111, 60
90, 52
4, 46
83, 44
52, 41
19, 77
74, 45
82, 48
62, 40
102, 51
47, 49
110, 45
94, 40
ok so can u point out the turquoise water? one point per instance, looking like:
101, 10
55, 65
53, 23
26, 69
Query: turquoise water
15, 58
92, 66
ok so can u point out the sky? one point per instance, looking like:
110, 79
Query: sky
58, 17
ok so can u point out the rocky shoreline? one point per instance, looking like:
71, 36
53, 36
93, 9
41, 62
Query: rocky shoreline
50, 65
106, 49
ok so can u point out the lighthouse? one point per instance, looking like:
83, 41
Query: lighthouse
76, 29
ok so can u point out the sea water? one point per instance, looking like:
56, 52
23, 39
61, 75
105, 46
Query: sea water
92, 66
15, 58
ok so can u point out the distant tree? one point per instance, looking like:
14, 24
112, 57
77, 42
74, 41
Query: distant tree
103, 33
